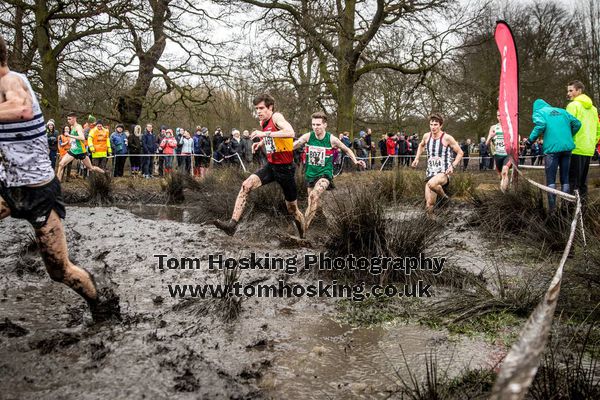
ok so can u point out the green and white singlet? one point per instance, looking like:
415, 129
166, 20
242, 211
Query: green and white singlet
499, 140
77, 146
319, 157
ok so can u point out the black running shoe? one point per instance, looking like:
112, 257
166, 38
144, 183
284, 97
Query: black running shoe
106, 307
228, 227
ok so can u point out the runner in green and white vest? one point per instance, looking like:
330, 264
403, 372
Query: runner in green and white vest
319, 162
501, 158
78, 150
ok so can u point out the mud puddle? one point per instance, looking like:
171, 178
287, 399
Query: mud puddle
276, 348
159, 212
325, 359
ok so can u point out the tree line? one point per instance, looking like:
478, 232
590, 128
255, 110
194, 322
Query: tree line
384, 64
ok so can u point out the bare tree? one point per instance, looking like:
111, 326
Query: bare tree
352, 38
49, 29
151, 27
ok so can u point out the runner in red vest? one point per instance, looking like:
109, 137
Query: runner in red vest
277, 137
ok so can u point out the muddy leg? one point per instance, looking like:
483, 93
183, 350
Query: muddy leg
504, 182
433, 188
4, 210
314, 201
90, 167
53, 248
249, 185
292, 207
66, 160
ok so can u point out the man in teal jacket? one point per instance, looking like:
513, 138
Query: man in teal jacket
586, 138
558, 127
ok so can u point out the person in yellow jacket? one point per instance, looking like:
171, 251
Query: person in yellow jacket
99, 145
586, 138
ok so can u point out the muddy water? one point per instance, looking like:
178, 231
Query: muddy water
159, 212
325, 359
168, 348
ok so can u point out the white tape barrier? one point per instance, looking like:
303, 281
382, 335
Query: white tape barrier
521, 363
542, 167
183, 155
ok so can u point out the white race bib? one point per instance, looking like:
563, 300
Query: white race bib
316, 156
269, 144
434, 165
500, 146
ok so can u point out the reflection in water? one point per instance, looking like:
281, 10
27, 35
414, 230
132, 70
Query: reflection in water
327, 360
159, 212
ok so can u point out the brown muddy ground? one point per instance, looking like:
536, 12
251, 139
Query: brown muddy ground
277, 348
172, 348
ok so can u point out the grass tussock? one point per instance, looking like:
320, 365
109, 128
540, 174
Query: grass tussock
398, 184
229, 306
174, 185
462, 185
359, 226
517, 296
437, 384
100, 188
568, 374
522, 213
216, 194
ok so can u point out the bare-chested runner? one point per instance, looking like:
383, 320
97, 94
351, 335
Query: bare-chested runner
29, 190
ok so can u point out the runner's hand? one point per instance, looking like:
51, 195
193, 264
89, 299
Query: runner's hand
255, 147
415, 163
450, 170
361, 163
257, 134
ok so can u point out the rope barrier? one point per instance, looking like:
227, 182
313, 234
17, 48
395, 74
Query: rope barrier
521, 363
183, 155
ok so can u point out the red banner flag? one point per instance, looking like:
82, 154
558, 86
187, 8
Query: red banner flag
508, 98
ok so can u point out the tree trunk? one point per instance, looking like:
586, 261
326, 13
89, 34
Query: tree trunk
130, 104
345, 103
50, 100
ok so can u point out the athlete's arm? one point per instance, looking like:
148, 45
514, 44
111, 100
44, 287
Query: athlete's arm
419, 151
285, 129
459, 153
302, 140
335, 142
256, 146
18, 104
491, 135
80, 135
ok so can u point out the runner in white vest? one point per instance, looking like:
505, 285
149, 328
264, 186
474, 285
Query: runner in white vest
29, 190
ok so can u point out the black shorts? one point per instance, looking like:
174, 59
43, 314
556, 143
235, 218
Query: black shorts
501, 161
284, 174
444, 186
313, 182
34, 204
81, 156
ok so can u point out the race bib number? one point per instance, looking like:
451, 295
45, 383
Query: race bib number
434, 165
316, 156
500, 145
269, 145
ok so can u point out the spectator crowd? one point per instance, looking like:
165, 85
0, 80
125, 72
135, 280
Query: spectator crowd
156, 152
